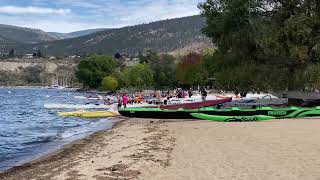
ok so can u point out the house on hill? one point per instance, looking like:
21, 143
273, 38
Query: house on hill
28, 56
129, 62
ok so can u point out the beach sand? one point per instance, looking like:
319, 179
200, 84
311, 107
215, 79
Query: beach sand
195, 150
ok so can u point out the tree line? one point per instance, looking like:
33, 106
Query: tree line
159, 71
260, 44
31, 75
264, 44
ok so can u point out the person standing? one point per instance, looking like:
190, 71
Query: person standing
190, 93
204, 94
236, 92
124, 101
119, 101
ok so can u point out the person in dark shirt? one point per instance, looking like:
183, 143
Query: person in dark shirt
236, 92
190, 93
204, 94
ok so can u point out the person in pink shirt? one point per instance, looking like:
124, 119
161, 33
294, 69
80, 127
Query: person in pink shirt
124, 100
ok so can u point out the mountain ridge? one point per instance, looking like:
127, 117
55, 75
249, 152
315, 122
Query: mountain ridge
161, 36
16, 35
75, 33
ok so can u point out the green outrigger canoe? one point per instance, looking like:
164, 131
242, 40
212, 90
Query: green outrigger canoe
258, 114
224, 114
232, 118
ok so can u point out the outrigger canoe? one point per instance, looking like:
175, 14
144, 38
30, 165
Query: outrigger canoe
77, 106
158, 113
196, 105
84, 114
280, 113
232, 118
262, 114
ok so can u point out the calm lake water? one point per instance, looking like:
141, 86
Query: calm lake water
28, 130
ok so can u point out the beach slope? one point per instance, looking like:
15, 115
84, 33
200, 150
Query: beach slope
195, 150
118, 153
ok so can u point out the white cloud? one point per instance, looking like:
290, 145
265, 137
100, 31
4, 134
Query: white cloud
49, 24
144, 11
61, 26
32, 10
88, 14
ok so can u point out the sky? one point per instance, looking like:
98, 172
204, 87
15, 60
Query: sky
74, 15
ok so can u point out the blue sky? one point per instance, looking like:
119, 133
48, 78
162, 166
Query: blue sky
74, 15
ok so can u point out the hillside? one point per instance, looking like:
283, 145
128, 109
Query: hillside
162, 36
4, 40
38, 72
18, 35
14, 35
74, 34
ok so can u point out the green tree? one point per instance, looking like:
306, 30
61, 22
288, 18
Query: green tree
150, 55
12, 53
39, 54
164, 70
139, 76
163, 67
109, 83
32, 74
94, 68
190, 70
262, 38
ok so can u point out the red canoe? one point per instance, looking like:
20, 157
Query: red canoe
196, 105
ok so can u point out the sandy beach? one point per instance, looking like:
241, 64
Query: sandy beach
153, 149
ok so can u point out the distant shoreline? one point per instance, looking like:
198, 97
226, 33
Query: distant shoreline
34, 87
21, 87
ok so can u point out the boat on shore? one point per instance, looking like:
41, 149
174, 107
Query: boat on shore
279, 113
258, 102
156, 113
86, 114
298, 95
57, 87
90, 97
77, 106
232, 118
96, 97
196, 105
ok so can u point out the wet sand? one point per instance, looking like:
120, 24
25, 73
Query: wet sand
195, 150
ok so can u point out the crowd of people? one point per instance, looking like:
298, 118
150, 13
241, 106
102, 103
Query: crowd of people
157, 97
162, 97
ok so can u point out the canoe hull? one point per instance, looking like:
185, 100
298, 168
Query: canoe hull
196, 105
76, 106
232, 118
157, 113
84, 114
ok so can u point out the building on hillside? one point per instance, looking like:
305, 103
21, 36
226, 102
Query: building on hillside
28, 56
74, 57
52, 58
129, 62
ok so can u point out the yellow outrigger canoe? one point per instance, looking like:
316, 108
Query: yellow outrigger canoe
85, 114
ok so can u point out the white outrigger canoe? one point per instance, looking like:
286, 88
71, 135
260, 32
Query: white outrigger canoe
96, 97
259, 102
77, 106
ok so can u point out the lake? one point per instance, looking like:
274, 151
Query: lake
28, 130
